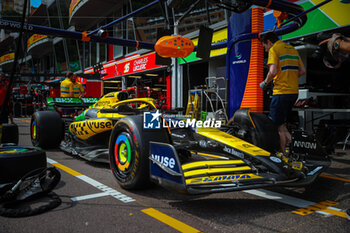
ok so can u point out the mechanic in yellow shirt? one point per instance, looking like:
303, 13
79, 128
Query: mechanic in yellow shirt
70, 87
67, 85
285, 67
78, 90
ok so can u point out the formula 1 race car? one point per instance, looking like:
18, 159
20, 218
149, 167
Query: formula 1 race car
179, 153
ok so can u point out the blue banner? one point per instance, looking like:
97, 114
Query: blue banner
238, 59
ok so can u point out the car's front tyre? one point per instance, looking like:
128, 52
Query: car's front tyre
129, 152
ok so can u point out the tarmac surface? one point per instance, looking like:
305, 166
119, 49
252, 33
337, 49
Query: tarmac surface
92, 201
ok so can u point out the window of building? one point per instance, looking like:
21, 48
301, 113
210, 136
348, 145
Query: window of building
118, 33
60, 57
53, 16
102, 52
64, 6
93, 53
74, 62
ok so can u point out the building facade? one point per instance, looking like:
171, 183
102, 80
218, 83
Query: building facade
46, 57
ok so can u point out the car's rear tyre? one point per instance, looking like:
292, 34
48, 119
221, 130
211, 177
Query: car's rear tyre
46, 129
129, 152
16, 161
9, 133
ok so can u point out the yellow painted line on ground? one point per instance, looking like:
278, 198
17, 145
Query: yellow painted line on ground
172, 222
315, 207
335, 178
182, 227
23, 120
67, 169
324, 206
335, 212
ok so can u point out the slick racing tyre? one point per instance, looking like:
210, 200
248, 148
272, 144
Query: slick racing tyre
46, 129
9, 134
16, 161
129, 151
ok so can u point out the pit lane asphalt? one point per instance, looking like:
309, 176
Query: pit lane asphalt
160, 210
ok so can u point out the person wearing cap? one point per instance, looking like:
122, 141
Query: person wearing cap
285, 67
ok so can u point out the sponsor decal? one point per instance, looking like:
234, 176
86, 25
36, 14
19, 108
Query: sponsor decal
99, 124
64, 100
275, 159
89, 100
72, 6
238, 56
35, 38
139, 64
297, 165
7, 57
232, 151
16, 25
86, 129
166, 161
307, 145
179, 135
239, 62
102, 103
127, 67
213, 179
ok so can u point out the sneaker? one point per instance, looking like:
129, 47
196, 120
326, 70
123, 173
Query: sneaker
347, 212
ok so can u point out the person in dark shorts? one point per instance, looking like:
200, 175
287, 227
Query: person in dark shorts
285, 67
7, 111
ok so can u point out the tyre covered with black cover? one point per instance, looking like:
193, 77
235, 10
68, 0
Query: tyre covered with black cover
9, 133
17, 161
46, 129
129, 151
259, 129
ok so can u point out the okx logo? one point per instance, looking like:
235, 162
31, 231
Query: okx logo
151, 120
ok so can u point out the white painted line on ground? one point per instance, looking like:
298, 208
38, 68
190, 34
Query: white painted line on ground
293, 201
105, 189
50, 161
89, 180
80, 198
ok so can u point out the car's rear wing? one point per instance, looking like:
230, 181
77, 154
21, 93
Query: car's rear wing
70, 101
